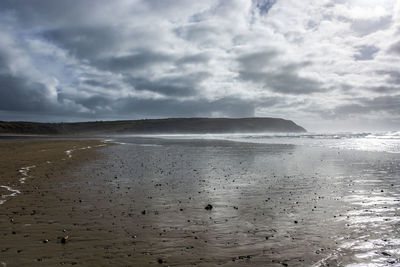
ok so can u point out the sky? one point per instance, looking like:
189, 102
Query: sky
328, 65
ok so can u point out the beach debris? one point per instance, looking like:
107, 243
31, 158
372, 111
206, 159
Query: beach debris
45, 241
160, 261
143, 212
385, 254
246, 257
64, 239
209, 207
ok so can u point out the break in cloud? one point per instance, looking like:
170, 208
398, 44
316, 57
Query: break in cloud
326, 63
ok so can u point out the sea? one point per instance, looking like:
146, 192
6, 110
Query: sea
362, 141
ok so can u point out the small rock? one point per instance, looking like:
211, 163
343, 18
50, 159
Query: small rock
160, 261
208, 207
64, 239
45, 241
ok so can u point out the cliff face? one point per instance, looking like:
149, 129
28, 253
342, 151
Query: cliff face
165, 126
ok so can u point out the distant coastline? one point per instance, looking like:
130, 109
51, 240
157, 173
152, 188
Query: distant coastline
153, 126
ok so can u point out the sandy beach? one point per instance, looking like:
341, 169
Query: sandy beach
142, 203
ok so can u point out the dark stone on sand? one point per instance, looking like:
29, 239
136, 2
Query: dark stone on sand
143, 212
45, 241
386, 254
64, 239
160, 261
208, 207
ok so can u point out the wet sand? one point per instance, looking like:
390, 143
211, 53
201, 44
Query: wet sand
142, 203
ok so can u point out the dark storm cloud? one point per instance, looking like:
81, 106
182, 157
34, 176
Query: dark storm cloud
260, 68
384, 89
20, 94
257, 60
49, 12
93, 103
83, 41
190, 108
178, 85
199, 58
395, 48
393, 77
96, 83
200, 33
140, 59
386, 104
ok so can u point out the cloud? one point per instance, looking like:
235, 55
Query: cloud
198, 108
14, 96
176, 85
102, 59
395, 48
260, 68
369, 106
140, 59
366, 52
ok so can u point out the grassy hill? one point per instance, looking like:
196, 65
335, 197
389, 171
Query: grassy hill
153, 126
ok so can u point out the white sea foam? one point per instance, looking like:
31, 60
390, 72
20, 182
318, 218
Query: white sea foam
24, 172
148, 145
69, 152
13, 192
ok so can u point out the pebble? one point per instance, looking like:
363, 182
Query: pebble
209, 207
64, 239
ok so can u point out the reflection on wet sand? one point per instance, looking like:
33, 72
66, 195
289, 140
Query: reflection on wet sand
273, 205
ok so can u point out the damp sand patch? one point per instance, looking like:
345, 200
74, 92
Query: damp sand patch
20, 159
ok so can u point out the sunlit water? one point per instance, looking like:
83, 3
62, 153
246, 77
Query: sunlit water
380, 142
